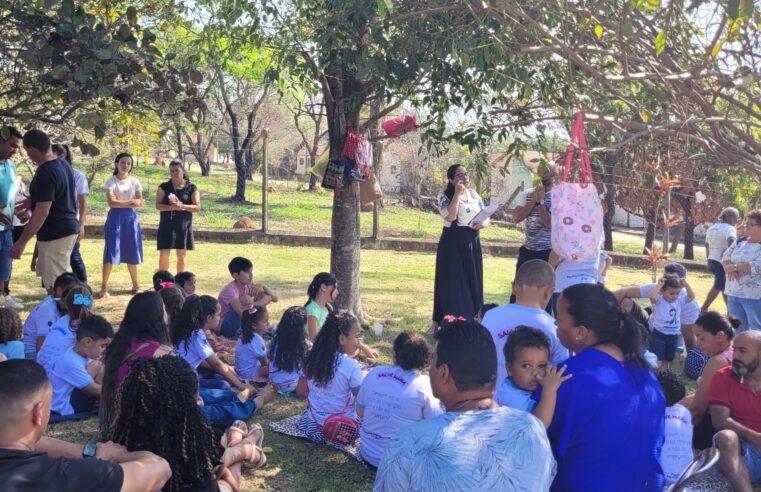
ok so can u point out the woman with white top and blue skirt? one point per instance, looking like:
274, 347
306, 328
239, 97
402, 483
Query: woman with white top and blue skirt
459, 286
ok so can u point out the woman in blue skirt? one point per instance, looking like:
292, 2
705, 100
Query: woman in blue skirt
124, 241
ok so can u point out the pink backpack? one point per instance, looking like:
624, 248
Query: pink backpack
576, 209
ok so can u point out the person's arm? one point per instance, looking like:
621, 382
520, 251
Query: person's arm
160, 205
520, 213
56, 448
608, 263
193, 207
301, 388
699, 403
92, 389
554, 260
628, 293
454, 205
655, 292
312, 328
544, 215
41, 211
688, 288
368, 351
264, 367
114, 202
237, 306
226, 372
721, 419
144, 471
270, 293
545, 409
82, 216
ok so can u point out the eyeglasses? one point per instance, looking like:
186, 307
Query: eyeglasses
461, 175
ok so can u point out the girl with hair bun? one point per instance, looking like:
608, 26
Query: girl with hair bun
392, 397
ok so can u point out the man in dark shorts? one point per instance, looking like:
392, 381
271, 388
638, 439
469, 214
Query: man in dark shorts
719, 237
31, 462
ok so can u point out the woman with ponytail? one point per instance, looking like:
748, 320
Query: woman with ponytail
177, 200
459, 285
608, 428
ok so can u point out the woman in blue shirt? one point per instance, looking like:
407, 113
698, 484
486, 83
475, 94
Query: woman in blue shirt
608, 428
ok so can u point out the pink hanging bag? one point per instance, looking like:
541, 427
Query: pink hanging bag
577, 213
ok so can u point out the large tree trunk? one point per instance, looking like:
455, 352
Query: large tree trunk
652, 223
609, 199
345, 240
689, 225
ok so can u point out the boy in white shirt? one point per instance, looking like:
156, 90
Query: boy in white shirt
44, 315
77, 375
665, 320
677, 446
533, 287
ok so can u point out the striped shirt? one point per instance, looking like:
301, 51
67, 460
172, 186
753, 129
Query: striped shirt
537, 235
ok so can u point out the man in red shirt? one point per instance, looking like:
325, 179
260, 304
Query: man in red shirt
735, 403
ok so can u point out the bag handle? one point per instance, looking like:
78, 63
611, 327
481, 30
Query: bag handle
578, 138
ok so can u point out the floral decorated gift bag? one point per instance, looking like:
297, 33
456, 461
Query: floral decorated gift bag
576, 208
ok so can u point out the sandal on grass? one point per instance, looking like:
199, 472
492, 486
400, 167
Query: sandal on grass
257, 445
239, 427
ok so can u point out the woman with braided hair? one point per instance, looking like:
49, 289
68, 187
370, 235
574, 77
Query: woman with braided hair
158, 412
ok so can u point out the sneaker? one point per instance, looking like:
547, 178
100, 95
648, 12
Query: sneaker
13, 304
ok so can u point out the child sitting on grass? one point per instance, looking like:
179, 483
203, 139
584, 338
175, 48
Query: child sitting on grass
527, 354
44, 315
186, 281
288, 350
251, 361
665, 321
332, 377
239, 295
78, 374
173, 301
63, 334
188, 334
677, 446
11, 334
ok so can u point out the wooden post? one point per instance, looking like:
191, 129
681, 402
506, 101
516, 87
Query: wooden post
667, 215
265, 180
376, 203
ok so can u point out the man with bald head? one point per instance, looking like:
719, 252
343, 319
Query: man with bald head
735, 404
31, 462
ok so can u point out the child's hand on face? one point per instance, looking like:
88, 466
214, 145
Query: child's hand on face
553, 378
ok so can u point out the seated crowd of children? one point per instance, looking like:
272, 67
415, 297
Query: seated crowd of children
312, 352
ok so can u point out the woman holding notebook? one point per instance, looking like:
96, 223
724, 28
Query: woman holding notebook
458, 288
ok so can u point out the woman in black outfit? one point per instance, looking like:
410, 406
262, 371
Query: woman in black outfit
177, 200
459, 286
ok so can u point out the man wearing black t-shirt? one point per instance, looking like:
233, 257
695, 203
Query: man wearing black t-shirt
53, 203
31, 462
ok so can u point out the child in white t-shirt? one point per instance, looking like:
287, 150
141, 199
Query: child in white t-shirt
676, 453
62, 335
77, 375
44, 315
331, 376
287, 351
251, 361
392, 397
527, 354
568, 273
665, 320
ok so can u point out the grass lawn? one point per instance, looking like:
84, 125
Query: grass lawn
397, 289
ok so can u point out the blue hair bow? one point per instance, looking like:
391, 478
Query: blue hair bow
82, 300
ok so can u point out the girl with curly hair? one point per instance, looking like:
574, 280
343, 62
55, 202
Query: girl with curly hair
11, 334
331, 376
158, 412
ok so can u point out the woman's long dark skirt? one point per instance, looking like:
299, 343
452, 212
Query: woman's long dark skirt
459, 284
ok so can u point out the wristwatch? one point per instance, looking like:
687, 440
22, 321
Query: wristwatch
89, 450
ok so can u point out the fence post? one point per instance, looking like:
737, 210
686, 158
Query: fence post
265, 180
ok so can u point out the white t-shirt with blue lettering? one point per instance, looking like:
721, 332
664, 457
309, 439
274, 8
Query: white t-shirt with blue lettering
196, 349
69, 372
690, 310
501, 320
569, 273
677, 445
392, 398
333, 397
61, 338
38, 324
247, 356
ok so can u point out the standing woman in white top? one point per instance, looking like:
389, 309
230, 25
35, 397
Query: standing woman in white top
742, 264
459, 284
719, 237
392, 397
123, 238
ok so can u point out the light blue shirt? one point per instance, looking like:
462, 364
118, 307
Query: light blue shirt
509, 395
69, 372
496, 449
60, 338
39, 322
247, 356
8, 188
196, 350
13, 349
